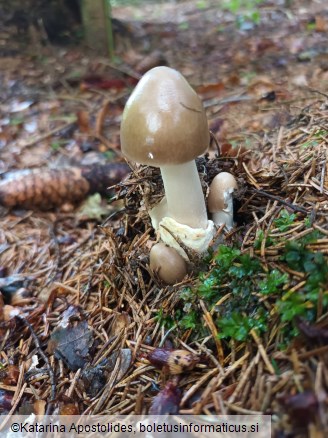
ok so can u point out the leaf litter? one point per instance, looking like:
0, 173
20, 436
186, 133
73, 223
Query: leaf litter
267, 106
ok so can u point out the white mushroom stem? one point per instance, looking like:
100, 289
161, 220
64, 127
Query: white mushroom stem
184, 194
225, 216
158, 212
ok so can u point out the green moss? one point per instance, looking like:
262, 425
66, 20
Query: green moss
242, 293
284, 221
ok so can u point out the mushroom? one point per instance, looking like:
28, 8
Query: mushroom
220, 200
167, 263
164, 125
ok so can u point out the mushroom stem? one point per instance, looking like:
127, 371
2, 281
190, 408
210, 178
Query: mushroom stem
224, 216
184, 194
220, 199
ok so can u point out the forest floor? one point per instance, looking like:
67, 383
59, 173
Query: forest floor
81, 314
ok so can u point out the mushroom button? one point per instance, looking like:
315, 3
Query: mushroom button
220, 200
164, 125
167, 263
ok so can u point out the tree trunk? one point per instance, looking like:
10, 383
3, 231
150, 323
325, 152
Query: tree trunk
95, 22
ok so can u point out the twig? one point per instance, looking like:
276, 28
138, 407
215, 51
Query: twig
48, 134
44, 357
214, 139
282, 201
212, 327
262, 351
166, 335
126, 71
317, 91
323, 176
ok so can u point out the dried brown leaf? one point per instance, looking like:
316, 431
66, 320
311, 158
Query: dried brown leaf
72, 345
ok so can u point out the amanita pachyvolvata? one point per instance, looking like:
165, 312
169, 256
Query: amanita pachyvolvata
164, 125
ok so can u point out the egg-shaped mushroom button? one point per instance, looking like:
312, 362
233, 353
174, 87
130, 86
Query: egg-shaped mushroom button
167, 263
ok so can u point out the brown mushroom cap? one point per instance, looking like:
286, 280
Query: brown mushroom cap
164, 121
223, 183
167, 263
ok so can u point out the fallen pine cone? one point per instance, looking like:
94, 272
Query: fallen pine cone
47, 188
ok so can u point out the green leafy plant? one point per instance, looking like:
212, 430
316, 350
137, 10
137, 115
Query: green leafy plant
201, 4
165, 320
284, 221
273, 282
315, 266
321, 133
259, 239
245, 10
190, 320
235, 6
242, 286
14, 121
237, 315
295, 305
57, 144
238, 326
184, 25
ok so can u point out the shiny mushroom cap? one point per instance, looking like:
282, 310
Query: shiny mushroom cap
164, 121
221, 189
170, 267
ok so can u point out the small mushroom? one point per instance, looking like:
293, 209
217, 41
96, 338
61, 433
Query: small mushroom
164, 125
167, 263
220, 199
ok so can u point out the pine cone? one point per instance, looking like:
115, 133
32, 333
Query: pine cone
47, 188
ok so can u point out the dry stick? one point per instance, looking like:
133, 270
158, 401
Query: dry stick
108, 390
282, 201
317, 91
13, 389
241, 410
215, 140
198, 385
244, 378
262, 352
19, 385
323, 176
44, 357
53, 275
209, 321
127, 71
102, 113
315, 352
70, 390
48, 134
4, 340
12, 410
